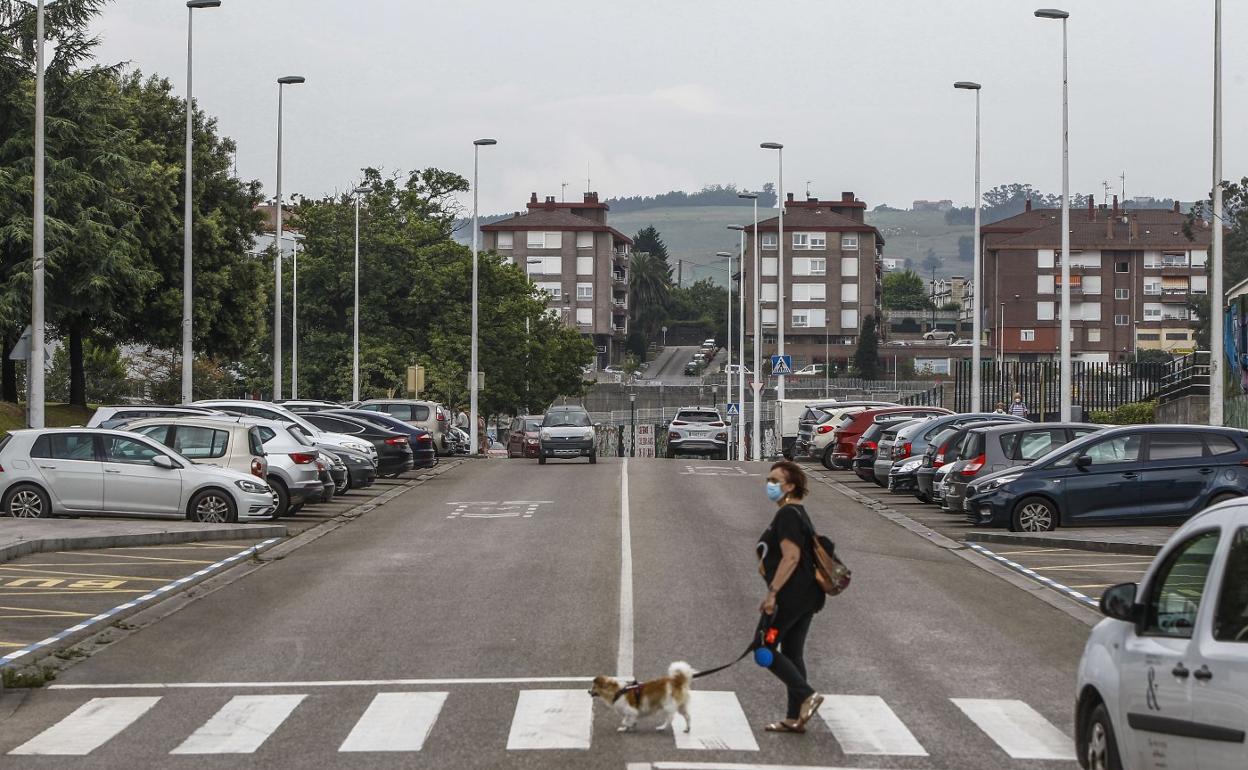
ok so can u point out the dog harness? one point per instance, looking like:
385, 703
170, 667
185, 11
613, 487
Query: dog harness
633, 687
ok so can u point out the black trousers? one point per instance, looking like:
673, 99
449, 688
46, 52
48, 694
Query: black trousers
788, 663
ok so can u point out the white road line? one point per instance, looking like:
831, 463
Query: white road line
864, 724
729, 766
241, 725
324, 683
551, 719
396, 721
718, 723
624, 659
1017, 728
92, 725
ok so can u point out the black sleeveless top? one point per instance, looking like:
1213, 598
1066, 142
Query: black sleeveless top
800, 594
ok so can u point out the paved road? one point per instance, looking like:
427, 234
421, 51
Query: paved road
456, 627
669, 366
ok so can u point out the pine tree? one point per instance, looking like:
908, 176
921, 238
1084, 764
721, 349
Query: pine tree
867, 356
649, 241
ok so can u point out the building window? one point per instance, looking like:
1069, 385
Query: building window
818, 240
1087, 311
584, 291
809, 292
554, 289
769, 293
1176, 336
801, 266
1152, 286
1152, 311
771, 266
539, 240
1094, 334
770, 240
1122, 266
818, 266
1044, 311
1044, 284
769, 316
809, 318
849, 267
849, 319
584, 240
505, 240
1091, 284
1148, 336
1044, 258
801, 241
584, 265
849, 242
849, 292
799, 319
1122, 294
545, 265
1200, 257
1122, 320
585, 316
1027, 335
1200, 284
1174, 259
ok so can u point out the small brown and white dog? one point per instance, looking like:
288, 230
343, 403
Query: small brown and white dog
669, 693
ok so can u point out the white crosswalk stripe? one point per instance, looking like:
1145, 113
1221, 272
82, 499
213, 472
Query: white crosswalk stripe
864, 724
551, 719
396, 721
89, 727
241, 726
718, 723
1020, 731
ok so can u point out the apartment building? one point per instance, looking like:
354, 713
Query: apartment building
832, 276
1132, 276
581, 262
945, 291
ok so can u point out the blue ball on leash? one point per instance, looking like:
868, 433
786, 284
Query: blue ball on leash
763, 657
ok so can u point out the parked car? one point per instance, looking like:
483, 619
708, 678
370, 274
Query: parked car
292, 464
361, 471
269, 411
1139, 474
394, 452
1163, 680
940, 334
839, 452
940, 450
807, 371
698, 430
895, 446
306, 405
112, 416
867, 445
992, 446
902, 476
424, 455
524, 436
567, 432
818, 419
961, 343
429, 415
81, 472
732, 368
692, 368
208, 441
938, 483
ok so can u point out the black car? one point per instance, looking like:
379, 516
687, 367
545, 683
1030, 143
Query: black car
868, 444
940, 450
361, 472
902, 476
424, 454
1139, 474
394, 452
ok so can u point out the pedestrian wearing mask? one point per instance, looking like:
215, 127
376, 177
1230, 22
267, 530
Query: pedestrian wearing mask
785, 553
1000, 408
1017, 407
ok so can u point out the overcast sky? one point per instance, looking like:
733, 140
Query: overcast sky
654, 95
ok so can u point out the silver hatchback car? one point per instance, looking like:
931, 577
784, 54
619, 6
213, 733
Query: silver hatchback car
87, 471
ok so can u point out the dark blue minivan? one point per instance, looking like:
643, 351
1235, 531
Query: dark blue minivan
1141, 474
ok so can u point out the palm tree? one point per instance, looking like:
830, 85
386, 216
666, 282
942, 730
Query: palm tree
650, 287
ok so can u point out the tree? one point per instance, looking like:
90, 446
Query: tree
966, 248
904, 290
650, 241
931, 262
1235, 219
963, 215
705, 302
650, 291
1153, 356
107, 381
867, 354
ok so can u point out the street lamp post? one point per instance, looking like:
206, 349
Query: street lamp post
1216, 314
34, 368
294, 315
728, 367
756, 418
188, 367
1065, 386
977, 313
277, 292
632, 408
355, 307
780, 319
476, 234
740, 421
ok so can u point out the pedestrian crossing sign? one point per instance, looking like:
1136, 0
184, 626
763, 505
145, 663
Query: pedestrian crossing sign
781, 365
734, 409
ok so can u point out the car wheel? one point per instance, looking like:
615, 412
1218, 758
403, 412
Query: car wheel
1101, 751
593, 458
541, 460
922, 497
1223, 497
27, 501
1034, 514
827, 460
213, 506
283, 498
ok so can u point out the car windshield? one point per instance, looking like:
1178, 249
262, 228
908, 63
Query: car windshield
566, 420
698, 417
532, 426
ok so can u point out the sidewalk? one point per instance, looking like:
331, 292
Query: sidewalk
1145, 541
19, 537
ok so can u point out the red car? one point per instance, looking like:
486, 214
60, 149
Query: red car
841, 450
523, 439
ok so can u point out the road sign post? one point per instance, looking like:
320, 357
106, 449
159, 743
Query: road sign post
781, 365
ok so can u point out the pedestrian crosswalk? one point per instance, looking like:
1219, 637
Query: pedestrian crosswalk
543, 719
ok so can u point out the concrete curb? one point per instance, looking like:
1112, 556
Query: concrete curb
1100, 546
45, 544
91, 639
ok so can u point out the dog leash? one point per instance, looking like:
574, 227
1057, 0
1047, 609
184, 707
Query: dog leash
753, 646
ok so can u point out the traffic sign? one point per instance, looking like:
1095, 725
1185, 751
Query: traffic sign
734, 409
781, 365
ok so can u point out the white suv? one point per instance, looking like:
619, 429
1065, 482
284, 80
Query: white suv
1163, 682
698, 430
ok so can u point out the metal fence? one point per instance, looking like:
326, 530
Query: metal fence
1095, 386
615, 437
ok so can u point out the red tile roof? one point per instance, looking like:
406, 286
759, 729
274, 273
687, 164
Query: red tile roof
553, 219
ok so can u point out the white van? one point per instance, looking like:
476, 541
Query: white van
1163, 682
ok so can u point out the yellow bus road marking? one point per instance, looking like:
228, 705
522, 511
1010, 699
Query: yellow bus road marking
12, 644
40, 613
1041, 551
65, 592
84, 574
130, 556
1094, 564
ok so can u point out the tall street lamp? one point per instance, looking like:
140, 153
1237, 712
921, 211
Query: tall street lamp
740, 421
34, 367
1066, 384
728, 368
277, 293
977, 304
780, 319
756, 418
355, 308
1217, 316
476, 234
188, 368
294, 239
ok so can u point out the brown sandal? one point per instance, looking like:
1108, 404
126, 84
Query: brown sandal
810, 707
785, 727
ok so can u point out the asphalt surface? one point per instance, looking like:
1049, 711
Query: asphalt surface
669, 366
509, 585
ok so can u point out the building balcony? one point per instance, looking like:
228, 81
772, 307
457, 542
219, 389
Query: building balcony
619, 308
619, 330
620, 257
619, 278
